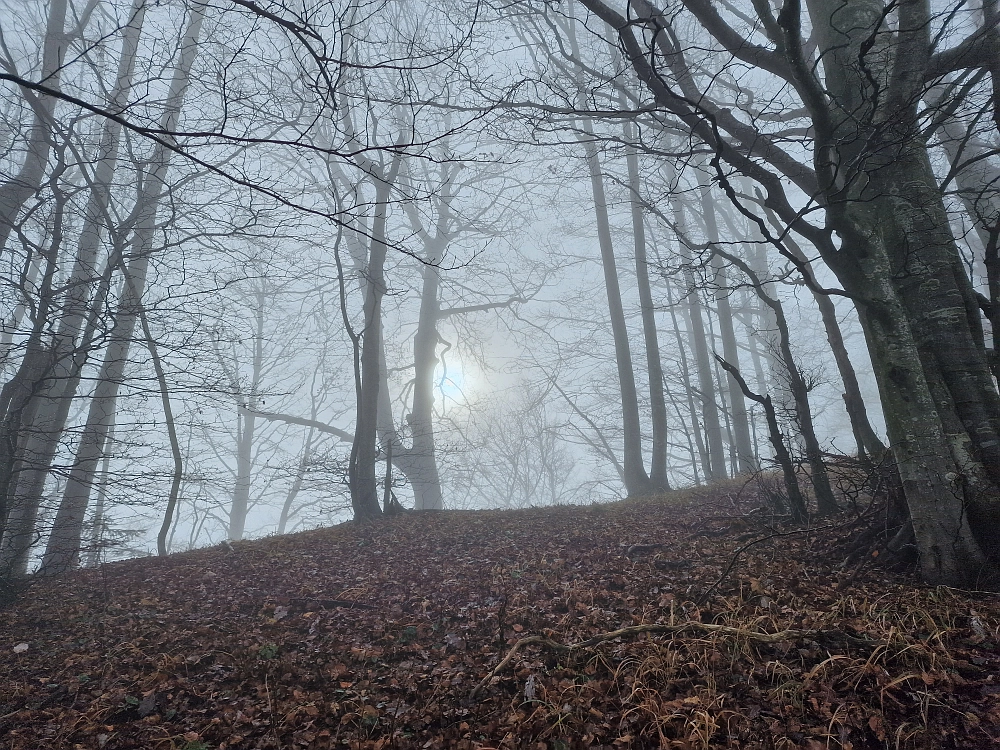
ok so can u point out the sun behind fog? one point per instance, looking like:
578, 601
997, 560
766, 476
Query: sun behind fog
453, 382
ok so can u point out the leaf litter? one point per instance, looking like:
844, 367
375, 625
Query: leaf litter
628, 625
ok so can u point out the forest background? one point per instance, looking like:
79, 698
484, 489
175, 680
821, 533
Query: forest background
270, 265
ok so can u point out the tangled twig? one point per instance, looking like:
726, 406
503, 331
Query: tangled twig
776, 535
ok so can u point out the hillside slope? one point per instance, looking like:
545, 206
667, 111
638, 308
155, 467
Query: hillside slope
259, 646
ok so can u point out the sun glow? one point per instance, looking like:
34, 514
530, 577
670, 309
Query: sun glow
453, 382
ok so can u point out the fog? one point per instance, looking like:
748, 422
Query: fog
268, 267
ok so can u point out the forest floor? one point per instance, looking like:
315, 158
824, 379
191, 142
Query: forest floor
260, 646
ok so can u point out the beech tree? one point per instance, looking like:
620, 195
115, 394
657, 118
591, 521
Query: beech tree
705, 145
858, 84
64, 540
80, 290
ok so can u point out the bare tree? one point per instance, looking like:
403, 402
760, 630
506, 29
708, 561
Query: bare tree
65, 537
895, 254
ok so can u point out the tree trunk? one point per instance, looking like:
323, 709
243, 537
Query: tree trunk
67, 351
422, 470
895, 255
364, 450
29, 178
98, 524
41, 425
698, 337
62, 551
635, 477
293, 491
799, 388
694, 435
713, 451
737, 406
919, 311
29, 279
864, 435
867, 440
930, 462
17, 394
935, 292
825, 501
657, 402
796, 502
977, 178
246, 430
168, 418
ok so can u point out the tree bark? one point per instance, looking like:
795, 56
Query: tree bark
17, 394
98, 524
246, 429
635, 477
296, 486
920, 314
40, 426
978, 179
868, 442
699, 459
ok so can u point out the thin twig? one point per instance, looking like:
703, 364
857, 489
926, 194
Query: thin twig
748, 545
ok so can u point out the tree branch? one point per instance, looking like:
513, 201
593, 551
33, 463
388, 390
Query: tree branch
329, 429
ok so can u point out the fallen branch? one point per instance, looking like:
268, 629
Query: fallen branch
781, 635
